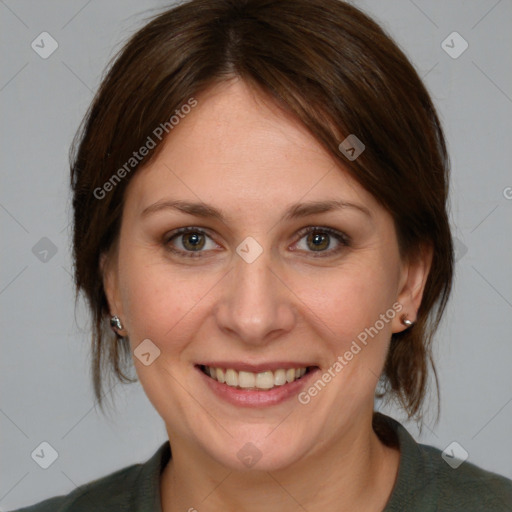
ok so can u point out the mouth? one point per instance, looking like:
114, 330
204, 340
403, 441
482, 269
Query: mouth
262, 387
251, 381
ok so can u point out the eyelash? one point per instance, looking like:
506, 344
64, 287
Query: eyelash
338, 235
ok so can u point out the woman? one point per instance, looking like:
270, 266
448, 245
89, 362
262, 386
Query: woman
260, 217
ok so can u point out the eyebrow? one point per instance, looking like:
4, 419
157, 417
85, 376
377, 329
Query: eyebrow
295, 211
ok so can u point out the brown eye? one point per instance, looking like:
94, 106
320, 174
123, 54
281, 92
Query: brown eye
188, 242
193, 241
320, 240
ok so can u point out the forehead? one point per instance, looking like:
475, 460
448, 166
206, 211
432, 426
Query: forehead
236, 147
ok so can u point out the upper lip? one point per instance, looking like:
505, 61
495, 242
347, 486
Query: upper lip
256, 368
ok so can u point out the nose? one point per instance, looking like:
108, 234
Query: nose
256, 305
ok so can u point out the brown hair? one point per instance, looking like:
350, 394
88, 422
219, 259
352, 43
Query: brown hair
324, 61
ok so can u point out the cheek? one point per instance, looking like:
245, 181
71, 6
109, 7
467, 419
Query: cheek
155, 298
350, 300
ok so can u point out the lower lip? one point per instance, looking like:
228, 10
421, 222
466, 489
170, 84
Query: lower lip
252, 398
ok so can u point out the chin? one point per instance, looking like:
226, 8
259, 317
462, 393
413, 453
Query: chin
259, 449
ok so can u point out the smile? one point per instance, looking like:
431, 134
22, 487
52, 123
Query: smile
246, 380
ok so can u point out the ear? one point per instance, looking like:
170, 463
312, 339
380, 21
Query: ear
413, 277
108, 270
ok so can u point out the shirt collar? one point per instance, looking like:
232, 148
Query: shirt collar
415, 487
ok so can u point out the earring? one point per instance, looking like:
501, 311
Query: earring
406, 322
115, 323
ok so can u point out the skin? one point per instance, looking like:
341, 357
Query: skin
237, 152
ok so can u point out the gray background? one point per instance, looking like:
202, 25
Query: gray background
44, 370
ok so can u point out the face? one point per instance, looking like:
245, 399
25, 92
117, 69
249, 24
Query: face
260, 288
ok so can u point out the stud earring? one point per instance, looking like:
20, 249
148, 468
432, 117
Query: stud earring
115, 323
406, 322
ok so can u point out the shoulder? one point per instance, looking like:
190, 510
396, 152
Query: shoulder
431, 480
107, 492
465, 486
134, 487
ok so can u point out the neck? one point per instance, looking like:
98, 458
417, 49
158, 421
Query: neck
353, 472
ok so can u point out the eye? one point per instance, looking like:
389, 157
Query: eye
192, 241
319, 239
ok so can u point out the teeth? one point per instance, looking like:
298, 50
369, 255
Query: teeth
220, 375
249, 380
246, 379
231, 378
265, 380
280, 377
